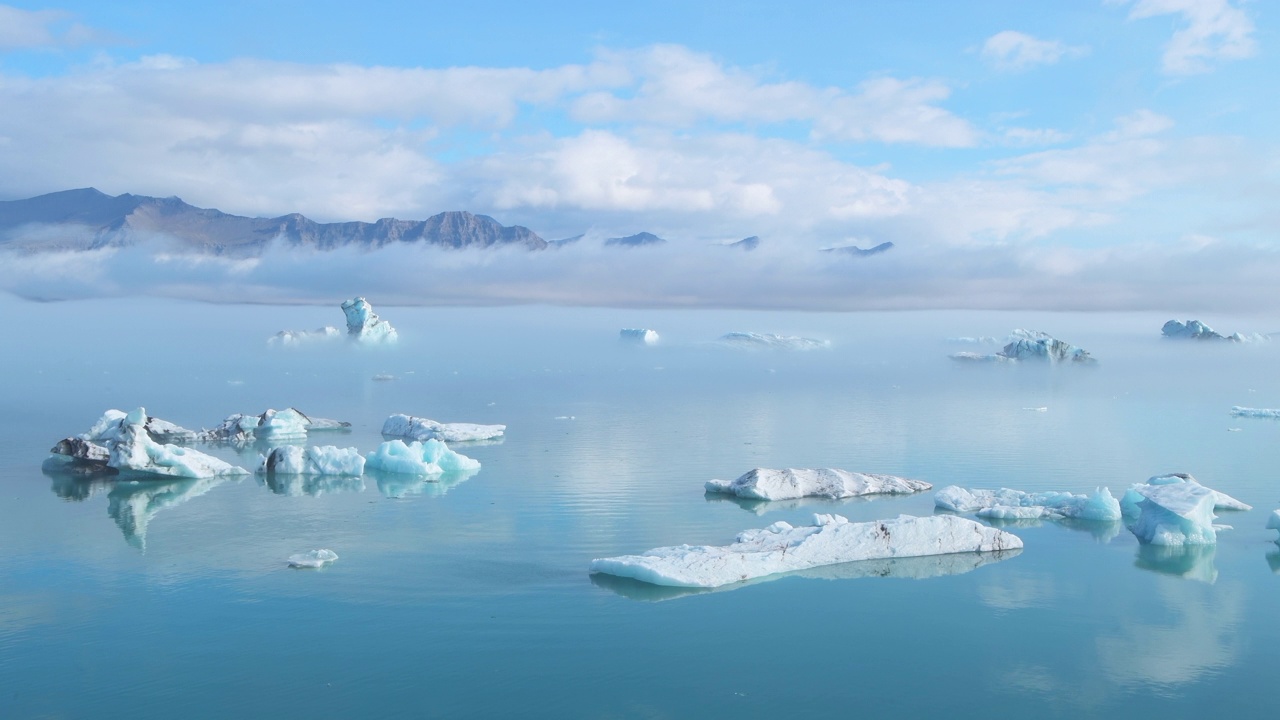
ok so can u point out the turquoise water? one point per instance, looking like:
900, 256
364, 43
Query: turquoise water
471, 598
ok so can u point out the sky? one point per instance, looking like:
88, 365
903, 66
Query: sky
1085, 154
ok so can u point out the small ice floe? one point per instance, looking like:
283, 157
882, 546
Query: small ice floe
1234, 429
1238, 411
1006, 504
1196, 330
287, 424
313, 559
781, 547
638, 336
316, 460
769, 341
364, 325
1036, 409
419, 428
383, 377
1032, 345
1221, 500
431, 457
133, 450
832, 483
564, 417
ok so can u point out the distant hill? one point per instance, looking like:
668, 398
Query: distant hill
85, 219
637, 240
860, 252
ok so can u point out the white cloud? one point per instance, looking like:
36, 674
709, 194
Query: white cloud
1013, 50
1212, 30
25, 29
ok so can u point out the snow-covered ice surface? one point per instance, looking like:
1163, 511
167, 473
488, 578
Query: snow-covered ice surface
430, 457
1032, 345
909, 568
638, 336
769, 341
792, 483
313, 559
419, 428
781, 548
133, 450
1008, 504
315, 460
364, 325
1134, 495
1271, 413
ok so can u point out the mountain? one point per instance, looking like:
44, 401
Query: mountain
637, 240
85, 219
859, 252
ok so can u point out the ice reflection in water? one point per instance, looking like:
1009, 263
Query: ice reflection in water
1192, 562
310, 485
397, 485
134, 503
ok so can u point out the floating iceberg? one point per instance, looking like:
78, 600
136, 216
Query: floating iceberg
81, 456
1006, 504
791, 483
314, 559
290, 338
1196, 330
1175, 514
318, 460
416, 428
364, 325
111, 424
1273, 522
290, 423
767, 341
134, 451
431, 457
1032, 345
638, 336
782, 548
1238, 411
1134, 495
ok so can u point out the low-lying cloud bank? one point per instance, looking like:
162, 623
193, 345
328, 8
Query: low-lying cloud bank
1201, 276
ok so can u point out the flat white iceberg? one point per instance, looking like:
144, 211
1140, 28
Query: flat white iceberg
1238, 411
317, 460
638, 336
419, 428
1135, 494
135, 451
364, 325
792, 483
769, 341
313, 559
1032, 345
431, 457
1006, 504
781, 548
1174, 514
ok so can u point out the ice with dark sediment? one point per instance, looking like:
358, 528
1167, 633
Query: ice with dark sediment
271, 424
781, 548
420, 428
316, 460
832, 483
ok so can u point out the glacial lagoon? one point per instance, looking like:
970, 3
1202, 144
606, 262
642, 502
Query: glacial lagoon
469, 596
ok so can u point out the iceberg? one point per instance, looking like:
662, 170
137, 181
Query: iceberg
292, 338
1032, 345
111, 424
1174, 514
1238, 411
417, 428
832, 483
81, 456
271, 424
364, 325
317, 460
1196, 330
1134, 495
768, 341
134, 451
1006, 504
314, 559
780, 548
431, 457
638, 336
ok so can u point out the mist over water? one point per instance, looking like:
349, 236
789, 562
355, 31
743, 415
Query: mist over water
470, 596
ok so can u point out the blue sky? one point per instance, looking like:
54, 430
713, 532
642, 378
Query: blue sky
1072, 137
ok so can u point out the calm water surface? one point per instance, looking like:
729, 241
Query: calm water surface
471, 597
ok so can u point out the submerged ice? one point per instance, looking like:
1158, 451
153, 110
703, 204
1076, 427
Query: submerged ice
313, 559
781, 547
419, 428
792, 483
